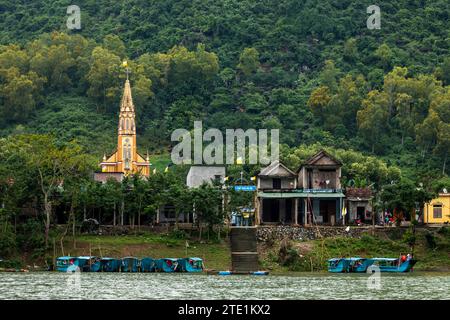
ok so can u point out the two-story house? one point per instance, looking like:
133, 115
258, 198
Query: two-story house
312, 195
276, 202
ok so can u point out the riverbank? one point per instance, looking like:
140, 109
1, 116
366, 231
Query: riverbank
432, 249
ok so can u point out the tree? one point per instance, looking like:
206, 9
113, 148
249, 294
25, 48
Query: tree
329, 75
115, 45
384, 54
103, 78
51, 165
434, 132
20, 94
207, 201
404, 198
372, 118
248, 61
318, 102
54, 63
113, 196
350, 51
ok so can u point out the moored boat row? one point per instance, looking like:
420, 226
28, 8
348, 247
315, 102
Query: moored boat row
128, 264
359, 265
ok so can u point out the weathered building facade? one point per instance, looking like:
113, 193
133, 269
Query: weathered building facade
312, 195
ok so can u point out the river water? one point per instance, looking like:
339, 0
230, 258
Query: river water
53, 285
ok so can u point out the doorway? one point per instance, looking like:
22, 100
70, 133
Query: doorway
327, 210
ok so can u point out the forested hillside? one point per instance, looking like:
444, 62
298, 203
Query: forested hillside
311, 68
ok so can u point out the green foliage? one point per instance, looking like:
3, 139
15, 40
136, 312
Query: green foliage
431, 240
7, 235
30, 237
409, 237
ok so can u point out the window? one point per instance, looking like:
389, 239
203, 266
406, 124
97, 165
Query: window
276, 183
437, 211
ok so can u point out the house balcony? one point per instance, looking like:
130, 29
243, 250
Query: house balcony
301, 190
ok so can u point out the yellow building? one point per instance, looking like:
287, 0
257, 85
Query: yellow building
126, 159
438, 209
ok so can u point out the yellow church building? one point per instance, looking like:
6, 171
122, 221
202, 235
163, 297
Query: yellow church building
126, 159
438, 209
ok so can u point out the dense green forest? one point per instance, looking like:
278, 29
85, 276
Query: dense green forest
311, 68
378, 100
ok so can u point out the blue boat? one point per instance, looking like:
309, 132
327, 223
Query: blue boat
148, 265
88, 263
394, 264
130, 264
193, 264
167, 265
110, 264
359, 265
338, 265
66, 264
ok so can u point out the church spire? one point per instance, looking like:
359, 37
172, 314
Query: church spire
126, 159
127, 115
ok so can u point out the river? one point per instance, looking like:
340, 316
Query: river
53, 285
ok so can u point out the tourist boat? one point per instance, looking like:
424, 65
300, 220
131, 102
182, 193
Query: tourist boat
148, 265
88, 263
360, 265
66, 264
130, 264
167, 265
110, 264
394, 264
193, 264
338, 265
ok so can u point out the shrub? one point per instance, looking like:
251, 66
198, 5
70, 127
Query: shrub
7, 240
30, 236
431, 240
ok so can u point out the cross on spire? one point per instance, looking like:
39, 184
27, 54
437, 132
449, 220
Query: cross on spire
127, 70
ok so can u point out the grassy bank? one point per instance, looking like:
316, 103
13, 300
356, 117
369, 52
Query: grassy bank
432, 249
215, 255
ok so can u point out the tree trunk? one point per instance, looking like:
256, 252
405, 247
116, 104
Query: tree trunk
48, 212
73, 220
139, 220
122, 208
114, 216
443, 166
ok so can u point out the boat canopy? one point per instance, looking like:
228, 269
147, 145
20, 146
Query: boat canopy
334, 259
385, 259
65, 258
195, 259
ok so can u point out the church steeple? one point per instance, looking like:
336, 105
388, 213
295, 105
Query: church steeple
127, 115
126, 159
